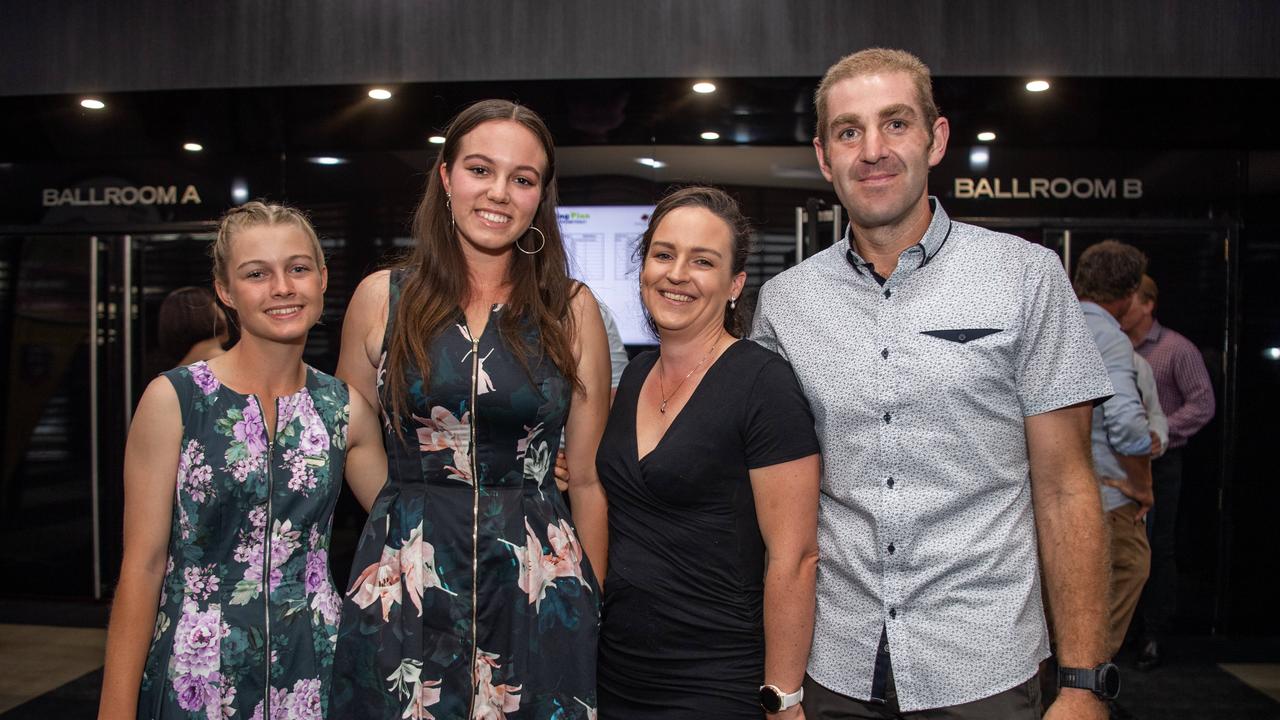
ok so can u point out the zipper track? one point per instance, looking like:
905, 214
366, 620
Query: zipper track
475, 515
266, 570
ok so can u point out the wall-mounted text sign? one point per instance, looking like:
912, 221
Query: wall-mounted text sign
1058, 188
125, 195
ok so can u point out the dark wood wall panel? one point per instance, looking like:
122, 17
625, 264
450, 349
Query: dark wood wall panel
56, 46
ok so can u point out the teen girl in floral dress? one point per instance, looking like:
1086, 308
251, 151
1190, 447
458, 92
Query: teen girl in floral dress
472, 595
225, 606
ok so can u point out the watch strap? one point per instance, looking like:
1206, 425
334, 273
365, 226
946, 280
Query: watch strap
1082, 678
792, 699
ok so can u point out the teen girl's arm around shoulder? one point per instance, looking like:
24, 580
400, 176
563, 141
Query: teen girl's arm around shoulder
786, 498
150, 476
366, 469
362, 331
587, 416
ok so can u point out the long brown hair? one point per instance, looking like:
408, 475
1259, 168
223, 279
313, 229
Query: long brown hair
437, 282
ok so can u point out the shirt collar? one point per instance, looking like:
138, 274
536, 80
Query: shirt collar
935, 236
1088, 307
1153, 335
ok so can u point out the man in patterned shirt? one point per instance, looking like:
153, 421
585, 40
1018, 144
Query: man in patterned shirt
951, 377
1186, 394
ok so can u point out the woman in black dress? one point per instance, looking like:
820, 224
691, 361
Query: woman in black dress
711, 467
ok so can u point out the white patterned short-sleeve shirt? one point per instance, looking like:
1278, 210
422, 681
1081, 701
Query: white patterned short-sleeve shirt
920, 388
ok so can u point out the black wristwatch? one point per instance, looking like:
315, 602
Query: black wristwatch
1103, 680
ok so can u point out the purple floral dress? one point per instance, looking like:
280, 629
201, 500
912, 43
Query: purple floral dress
247, 601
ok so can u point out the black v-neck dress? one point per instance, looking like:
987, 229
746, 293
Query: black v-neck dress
683, 632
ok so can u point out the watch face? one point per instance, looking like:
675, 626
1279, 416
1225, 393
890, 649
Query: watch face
770, 699
1109, 679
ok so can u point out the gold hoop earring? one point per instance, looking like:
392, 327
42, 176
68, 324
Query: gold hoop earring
533, 252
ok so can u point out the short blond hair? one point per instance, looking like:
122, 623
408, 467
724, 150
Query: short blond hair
255, 214
1149, 290
869, 62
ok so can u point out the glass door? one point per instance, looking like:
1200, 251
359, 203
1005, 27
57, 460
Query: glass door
55, 324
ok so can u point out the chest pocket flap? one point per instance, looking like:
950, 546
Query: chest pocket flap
961, 335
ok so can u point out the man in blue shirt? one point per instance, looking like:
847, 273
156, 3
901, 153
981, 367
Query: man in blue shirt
1105, 280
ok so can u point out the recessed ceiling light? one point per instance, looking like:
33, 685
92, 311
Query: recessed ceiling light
710, 135
380, 94
986, 136
1271, 353
92, 104
192, 147
650, 162
327, 160
1037, 86
704, 87
436, 139
239, 190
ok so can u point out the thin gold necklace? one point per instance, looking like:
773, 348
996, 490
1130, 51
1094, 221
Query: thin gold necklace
662, 386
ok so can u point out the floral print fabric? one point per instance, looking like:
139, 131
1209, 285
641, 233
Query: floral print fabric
247, 593
470, 596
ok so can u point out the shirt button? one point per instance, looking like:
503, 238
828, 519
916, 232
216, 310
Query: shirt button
885, 353
962, 337
890, 548
887, 418
889, 482
893, 612
887, 293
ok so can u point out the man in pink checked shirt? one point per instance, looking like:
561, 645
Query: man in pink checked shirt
1182, 382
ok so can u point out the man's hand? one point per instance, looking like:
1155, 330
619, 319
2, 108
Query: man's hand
1077, 704
1136, 484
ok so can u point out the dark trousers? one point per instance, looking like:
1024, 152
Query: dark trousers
1160, 598
1021, 702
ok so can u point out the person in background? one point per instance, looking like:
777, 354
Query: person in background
1186, 394
1155, 414
225, 605
474, 590
1106, 277
191, 328
951, 375
711, 466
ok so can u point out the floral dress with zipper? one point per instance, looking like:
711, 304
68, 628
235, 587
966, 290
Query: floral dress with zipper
470, 596
247, 602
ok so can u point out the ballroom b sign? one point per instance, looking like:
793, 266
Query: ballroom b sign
1058, 188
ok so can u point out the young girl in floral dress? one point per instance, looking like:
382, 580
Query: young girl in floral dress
225, 606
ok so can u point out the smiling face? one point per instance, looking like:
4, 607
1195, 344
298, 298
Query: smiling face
275, 282
495, 185
877, 150
687, 277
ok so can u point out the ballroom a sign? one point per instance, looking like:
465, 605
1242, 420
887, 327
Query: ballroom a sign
121, 195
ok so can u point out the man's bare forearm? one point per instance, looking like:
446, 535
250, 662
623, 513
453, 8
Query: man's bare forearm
1074, 552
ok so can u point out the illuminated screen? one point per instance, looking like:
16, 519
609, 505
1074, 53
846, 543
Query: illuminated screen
601, 240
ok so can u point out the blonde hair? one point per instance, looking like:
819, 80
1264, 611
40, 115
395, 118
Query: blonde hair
869, 62
256, 214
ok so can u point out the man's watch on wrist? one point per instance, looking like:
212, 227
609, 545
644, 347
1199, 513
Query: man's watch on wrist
1103, 680
774, 700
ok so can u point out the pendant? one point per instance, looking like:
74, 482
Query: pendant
663, 407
